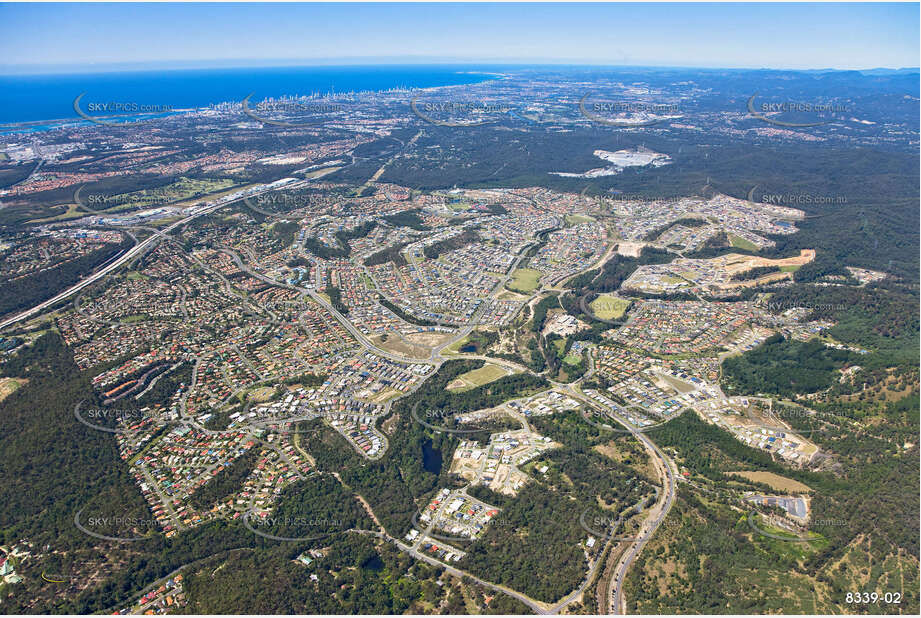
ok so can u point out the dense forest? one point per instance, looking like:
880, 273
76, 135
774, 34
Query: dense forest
883, 317
226, 481
716, 548
450, 244
335, 299
407, 218
784, 367
327, 252
753, 273
392, 253
547, 519
53, 465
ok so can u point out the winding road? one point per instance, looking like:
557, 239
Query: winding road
662, 463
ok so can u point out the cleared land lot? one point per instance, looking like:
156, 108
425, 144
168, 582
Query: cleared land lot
775, 481
393, 343
524, 280
429, 339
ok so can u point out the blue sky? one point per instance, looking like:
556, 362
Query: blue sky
702, 35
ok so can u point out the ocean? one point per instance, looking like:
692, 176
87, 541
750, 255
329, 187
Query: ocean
36, 98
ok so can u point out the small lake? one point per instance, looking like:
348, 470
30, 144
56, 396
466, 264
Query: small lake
431, 458
374, 563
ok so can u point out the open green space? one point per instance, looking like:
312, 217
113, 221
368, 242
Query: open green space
741, 243
609, 307
525, 280
572, 359
182, 189
478, 377
784, 367
577, 219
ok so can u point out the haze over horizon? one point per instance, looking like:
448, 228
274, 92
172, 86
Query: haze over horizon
719, 36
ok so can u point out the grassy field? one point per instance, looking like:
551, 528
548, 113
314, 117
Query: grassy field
131, 319
182, 189
261, 394
609, 307
525, 280
572, 359
455, 347
484, 375
9, 385
560, 345
741, 243
70, 213
577, 219
321, 172
780, 483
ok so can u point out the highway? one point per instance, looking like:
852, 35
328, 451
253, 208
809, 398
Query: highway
133, 252
656, 516
661, 461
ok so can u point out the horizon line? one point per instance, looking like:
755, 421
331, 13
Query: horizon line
243, 63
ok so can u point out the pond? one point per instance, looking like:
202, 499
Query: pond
431, 458
374, 563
